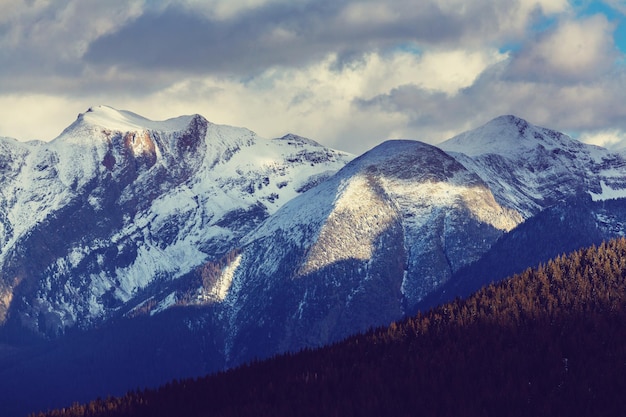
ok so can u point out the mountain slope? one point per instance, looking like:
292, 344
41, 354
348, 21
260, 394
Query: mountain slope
529, 168
559, 229
559, 185
547, 342
248, 247
401, 223
118, 202
359, 249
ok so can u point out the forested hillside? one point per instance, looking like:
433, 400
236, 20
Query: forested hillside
549, 341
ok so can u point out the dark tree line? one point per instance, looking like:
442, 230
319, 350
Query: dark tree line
549, 341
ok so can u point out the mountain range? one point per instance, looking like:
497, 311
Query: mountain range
542, 343
118, 203
137, 251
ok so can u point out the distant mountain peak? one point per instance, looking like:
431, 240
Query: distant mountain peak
529, 167
296, 139
506, 135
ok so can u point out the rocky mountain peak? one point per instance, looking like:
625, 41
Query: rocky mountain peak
119, 207
409, 159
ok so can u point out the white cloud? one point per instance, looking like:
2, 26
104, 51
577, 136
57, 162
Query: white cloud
12, 11
451, 70
315, 101
367, 13
224, 9
348, 74
619, 5
500, 21
35, 116
610, 138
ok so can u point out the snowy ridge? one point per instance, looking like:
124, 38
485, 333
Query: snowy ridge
123, 121
284, 242
396, 224
505, 135
266, 246
153, 200
529, 168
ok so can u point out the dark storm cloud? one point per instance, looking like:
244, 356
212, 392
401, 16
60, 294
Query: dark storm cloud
69, 47
292, 34
179, 40
426, 109
41, 43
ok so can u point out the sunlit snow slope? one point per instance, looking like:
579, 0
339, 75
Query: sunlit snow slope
395, 225
386, 230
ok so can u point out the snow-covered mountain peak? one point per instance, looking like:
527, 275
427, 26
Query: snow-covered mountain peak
102, 120
146, 200
507, 136
393, 160
373, 192
126, 121
529, 168
392, 224
297, 140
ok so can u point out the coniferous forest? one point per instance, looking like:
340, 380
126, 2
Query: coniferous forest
548, 342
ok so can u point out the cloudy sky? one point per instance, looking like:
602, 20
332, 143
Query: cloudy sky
347, 73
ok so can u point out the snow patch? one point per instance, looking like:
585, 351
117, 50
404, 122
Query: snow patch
168, 302
219, 291
608, 193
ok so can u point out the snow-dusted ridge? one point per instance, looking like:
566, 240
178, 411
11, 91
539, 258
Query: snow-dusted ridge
279, 244
125, 121
507, 135
529, 168
399, 221
121, 214
146, 200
